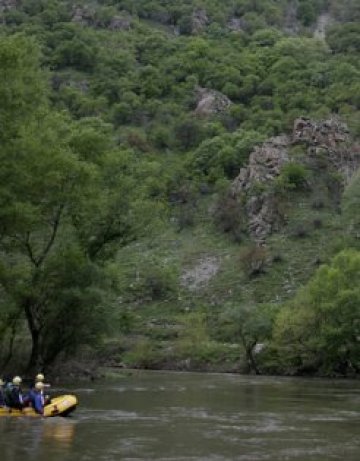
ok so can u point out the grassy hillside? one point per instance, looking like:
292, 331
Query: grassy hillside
131, 123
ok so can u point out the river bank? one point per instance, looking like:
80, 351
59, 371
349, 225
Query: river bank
93, 371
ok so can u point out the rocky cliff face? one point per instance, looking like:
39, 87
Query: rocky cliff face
328, 140
331, 139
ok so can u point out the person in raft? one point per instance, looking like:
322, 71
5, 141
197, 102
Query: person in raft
40, 378
29, 397
2, 396
37, 397
13, 394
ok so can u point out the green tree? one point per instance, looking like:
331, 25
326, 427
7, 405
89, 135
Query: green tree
351, 206
319, 330
249, 325
65, 206
344, 38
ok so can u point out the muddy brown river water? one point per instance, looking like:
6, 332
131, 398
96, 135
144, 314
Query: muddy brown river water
195, 417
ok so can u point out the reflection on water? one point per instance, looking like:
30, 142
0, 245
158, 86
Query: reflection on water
195, 417
24, 438
59, 431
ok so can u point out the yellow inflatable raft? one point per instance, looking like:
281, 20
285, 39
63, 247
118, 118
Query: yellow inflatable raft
59, 406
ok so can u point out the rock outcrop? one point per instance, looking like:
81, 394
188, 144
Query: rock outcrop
211, 102
291, 25
87, 16
323, 21
265, 164
328, 139
121, 22
7, 5
83, 15
199, 21
236, 24
328, 133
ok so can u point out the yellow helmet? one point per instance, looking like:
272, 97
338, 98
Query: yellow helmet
17, 380
1, 382
39, 386
39, 377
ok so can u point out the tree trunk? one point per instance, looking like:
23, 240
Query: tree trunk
35, 356
251, 360
11, 346
34, 360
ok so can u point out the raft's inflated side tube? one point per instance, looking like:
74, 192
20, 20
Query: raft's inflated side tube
59, 406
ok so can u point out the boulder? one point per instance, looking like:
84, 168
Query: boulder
211, 102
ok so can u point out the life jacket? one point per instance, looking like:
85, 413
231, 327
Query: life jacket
8, 394
13, 396
38, 402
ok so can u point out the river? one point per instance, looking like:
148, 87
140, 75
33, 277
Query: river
195, 417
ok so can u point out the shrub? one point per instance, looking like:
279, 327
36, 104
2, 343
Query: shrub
223, 155
277, 258
186, 216
158, 283
300, 230
318, 204
229, 217
317, 223
143, 355
148, 281
293, 176
253, 260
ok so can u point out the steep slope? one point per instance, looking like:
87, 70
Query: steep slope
290, 201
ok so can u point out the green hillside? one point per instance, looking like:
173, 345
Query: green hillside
179, 184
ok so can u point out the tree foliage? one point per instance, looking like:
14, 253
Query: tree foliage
65, 205
320, 328
250, 326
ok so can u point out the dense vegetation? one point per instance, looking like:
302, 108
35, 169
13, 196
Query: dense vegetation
114, 184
